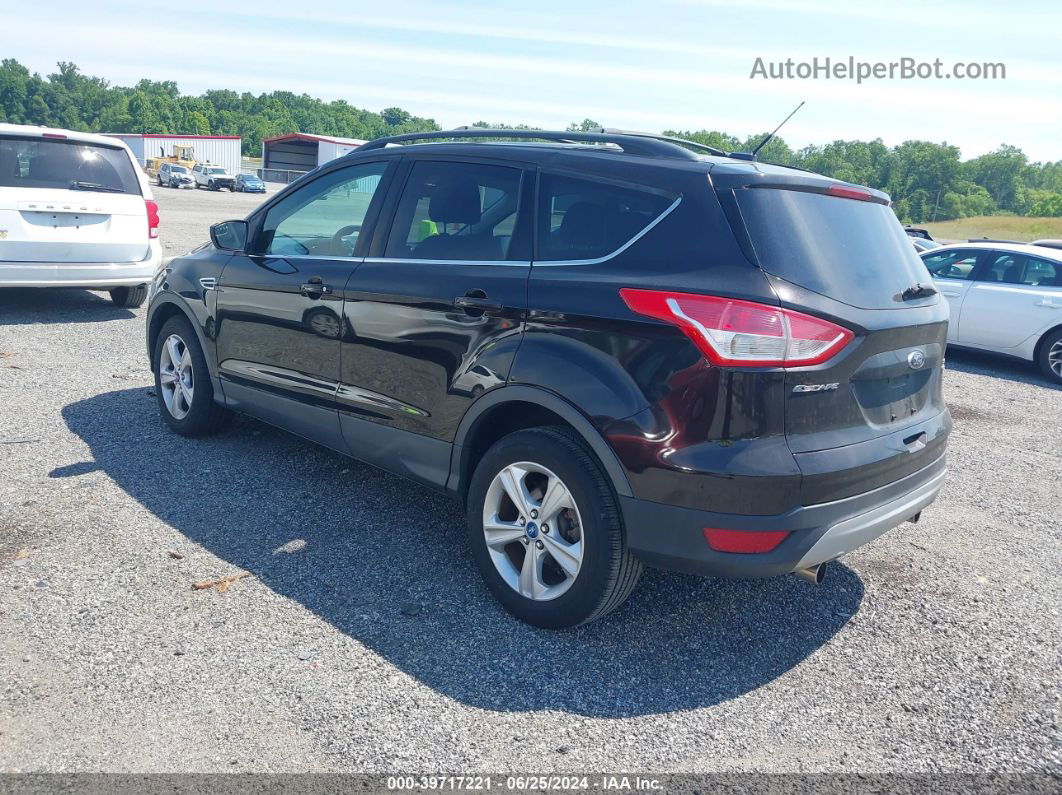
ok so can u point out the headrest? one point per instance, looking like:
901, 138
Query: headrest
454, 201
583, 225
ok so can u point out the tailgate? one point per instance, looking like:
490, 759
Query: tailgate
72, 226
873, 413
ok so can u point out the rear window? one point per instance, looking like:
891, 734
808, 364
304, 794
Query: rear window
852, 251
57, 163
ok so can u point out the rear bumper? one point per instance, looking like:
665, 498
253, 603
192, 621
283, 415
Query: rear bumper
102, 275
671, 537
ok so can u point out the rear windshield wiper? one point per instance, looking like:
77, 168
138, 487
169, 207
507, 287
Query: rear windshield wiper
78, 185
918, 291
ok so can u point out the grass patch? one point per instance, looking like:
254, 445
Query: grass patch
1004, 227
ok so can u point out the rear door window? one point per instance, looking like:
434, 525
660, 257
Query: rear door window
952, 264
849, 250
581, 219
66, 165
452, 211
1042, 273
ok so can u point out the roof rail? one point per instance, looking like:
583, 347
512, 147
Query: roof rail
669, 138
631, 143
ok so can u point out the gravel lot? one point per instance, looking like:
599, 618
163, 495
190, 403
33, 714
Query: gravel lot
363, 640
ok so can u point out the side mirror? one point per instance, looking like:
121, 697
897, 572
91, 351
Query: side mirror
229, 235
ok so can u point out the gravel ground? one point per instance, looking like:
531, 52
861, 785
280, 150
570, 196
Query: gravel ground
363, 640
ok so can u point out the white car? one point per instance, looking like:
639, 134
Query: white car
76, 210
207, 175
1005, 298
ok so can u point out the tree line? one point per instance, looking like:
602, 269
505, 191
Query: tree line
927, 180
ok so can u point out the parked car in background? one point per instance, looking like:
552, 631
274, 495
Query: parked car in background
174, 175
249, 183
918, 232
613, 349
922, 244
1047, 243
76, 210
212, 177
1005, 298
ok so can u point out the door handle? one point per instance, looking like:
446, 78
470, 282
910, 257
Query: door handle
476, 302
312, 288
1047, 302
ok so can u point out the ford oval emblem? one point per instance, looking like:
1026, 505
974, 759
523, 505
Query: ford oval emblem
916, 360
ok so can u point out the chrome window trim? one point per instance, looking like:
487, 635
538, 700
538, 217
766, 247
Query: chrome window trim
552, 263
510, 263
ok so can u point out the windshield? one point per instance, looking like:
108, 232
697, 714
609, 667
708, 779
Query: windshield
213, 170
852, 251
57, 163
178, 169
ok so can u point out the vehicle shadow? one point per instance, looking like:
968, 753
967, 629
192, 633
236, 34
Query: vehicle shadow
28, 305
386, 562
997, 365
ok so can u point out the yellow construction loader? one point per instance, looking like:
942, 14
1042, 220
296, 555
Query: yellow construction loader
182, 155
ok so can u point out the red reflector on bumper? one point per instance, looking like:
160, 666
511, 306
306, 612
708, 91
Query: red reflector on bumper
743, 541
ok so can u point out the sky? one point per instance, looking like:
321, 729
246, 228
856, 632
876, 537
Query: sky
650, 65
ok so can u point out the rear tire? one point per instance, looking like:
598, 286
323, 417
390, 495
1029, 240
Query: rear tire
129, 297
1050, 356
605, 572
183, 389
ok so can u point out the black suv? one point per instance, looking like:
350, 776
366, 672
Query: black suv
614, 348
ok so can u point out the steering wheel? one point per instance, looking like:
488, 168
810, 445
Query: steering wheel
337, 239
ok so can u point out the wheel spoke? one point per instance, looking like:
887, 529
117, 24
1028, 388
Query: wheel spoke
186, 362
568, 556
512, 480
500, 534
531, 584
173, 349
554, 500
167, 377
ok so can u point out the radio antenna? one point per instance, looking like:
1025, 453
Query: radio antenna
766, 140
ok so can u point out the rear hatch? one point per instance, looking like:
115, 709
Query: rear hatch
874, 412
69, 201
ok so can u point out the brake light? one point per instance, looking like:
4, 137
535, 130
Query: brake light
746, 542
52, 135
846, 192
734, 333
153, 218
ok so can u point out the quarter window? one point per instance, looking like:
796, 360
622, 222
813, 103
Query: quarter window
585, 219
456, 211
951, 264
325, 217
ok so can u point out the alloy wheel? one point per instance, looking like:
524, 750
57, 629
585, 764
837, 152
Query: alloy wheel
176, 377
1054, 358
533, 531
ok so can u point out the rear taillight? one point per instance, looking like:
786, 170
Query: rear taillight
745, 542
734, 333
153, 218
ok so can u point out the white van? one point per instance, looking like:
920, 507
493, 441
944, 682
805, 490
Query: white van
76, 210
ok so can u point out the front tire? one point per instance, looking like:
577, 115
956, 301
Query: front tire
183, 387
546, 532
1050, 357
129, 297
